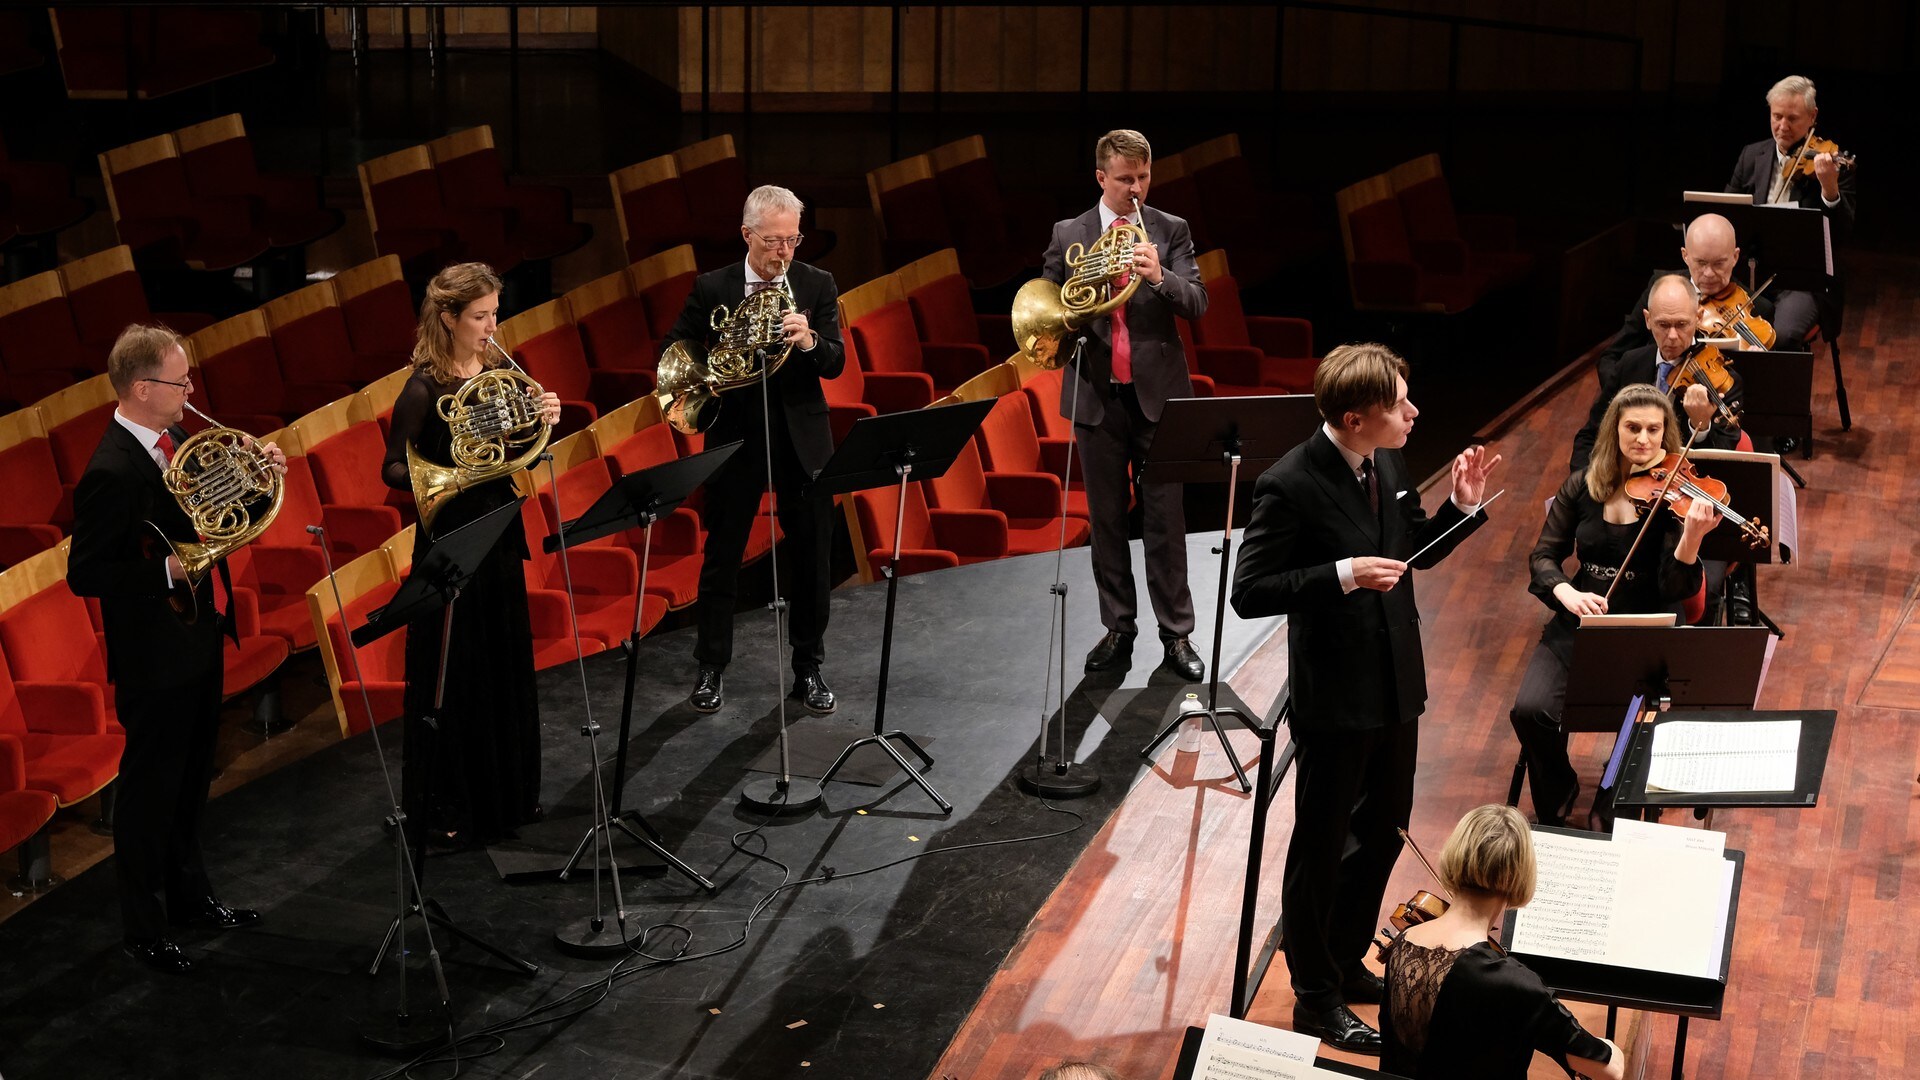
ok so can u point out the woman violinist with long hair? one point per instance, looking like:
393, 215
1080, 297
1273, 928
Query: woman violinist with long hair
1592, 520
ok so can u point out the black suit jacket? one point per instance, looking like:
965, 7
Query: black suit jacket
1159, 361
117, 557
796, 387
1633, 327
1754, 173
1353, 659
1641, 365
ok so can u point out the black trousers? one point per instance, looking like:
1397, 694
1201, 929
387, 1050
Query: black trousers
1106, 450
1794, 314
162, 794
1352, 790
806, 527
1536, 723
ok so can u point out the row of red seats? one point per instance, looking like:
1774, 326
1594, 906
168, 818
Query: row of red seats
1214, 187
37, 199
950, 197
60, 736
170, 49
57, 326
196, 197
1407, 250
449, 201
692, 196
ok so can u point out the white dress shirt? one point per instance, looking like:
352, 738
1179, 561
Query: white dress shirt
150, 439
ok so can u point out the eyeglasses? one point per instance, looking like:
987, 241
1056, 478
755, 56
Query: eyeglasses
782, 241
184, 384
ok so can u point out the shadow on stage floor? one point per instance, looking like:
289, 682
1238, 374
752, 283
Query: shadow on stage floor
865, 974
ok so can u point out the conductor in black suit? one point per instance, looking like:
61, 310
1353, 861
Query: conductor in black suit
1132, 365
1335, 523
802, 441
1759, 171
163, 649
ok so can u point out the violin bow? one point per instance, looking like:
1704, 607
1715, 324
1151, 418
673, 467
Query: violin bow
1422, 857
1659, 497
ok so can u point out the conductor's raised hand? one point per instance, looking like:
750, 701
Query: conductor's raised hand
1470, 472
1371, 572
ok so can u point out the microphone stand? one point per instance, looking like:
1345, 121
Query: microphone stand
1047, 776
784, 794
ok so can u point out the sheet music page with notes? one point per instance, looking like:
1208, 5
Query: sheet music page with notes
1626, 905
1242, 1050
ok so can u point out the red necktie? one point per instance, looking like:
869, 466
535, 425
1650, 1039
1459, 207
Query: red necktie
165, 445
1122, 341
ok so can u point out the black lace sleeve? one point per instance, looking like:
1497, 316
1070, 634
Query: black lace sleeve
1547, 564
409, 414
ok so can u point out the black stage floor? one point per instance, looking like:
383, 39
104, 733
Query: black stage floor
859, 976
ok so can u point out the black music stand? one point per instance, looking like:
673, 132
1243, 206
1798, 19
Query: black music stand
1692, 667
1196, 440
1816, 739
640, 498
893, 449
433, 584
1685, 996
637, 499
1777, 397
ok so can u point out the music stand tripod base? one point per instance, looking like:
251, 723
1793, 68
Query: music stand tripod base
592, 938
1051, 779
407, 1034
781, 798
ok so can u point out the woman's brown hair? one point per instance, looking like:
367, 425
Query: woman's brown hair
450, 291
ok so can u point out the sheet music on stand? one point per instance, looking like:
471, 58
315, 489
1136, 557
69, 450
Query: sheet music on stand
1760, 755
1626, 905
1242, 1050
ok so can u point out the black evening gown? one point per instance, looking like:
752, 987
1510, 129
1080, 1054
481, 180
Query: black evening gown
478, 774
1472, 1014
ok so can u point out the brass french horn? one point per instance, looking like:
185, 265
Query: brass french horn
219, 478
690, 377
1045, 314
497, 431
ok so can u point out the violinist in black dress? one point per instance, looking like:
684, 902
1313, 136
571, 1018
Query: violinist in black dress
1592, 520
473, 774
1457, 1006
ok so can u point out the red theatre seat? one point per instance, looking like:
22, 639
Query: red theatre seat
1381, 267
1284, 346
381, 663
36, 510
912, 216
1013, 445
929, 539
106, 296
75, 420
258, 654
612, 322
984, 225
40, 348
943, 306
546, 343
714, 178
605, 575
1029, 503
411, 219
39, 198
473, 179
24, 811
219, 159
889, 341
380, 316
651, 204
673, 566
346, 450
60, 744
171, 49
158, 215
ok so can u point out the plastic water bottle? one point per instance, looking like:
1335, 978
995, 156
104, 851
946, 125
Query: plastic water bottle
1195, 726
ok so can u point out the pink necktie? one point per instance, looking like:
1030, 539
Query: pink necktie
1122, 341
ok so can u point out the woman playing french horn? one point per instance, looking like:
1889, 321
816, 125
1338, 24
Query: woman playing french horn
474, 778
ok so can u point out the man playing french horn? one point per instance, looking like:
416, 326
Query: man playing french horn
163, 622
803, 350
1132, 365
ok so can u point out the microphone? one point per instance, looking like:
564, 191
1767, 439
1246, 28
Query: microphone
316, 530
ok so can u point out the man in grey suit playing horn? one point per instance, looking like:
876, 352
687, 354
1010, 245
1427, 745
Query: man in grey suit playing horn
1132, 364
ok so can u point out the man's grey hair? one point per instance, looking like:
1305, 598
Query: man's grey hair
768, 199
1795, 85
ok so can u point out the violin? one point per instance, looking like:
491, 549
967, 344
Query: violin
1801, 163
1423, 906
1730, 315
1676, 483
1704, 364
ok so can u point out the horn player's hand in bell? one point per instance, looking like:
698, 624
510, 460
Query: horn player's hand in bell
1146, 263
796, 331
550, 408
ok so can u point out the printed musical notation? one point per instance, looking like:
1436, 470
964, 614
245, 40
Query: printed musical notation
1625, 905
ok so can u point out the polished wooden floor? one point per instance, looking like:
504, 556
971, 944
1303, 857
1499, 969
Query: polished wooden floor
1138, 941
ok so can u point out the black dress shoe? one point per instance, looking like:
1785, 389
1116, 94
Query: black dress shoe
813, 692
1363, 987
214, 915
1115, 650
1337, 1027
1183, 661
707, 696
162, 956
